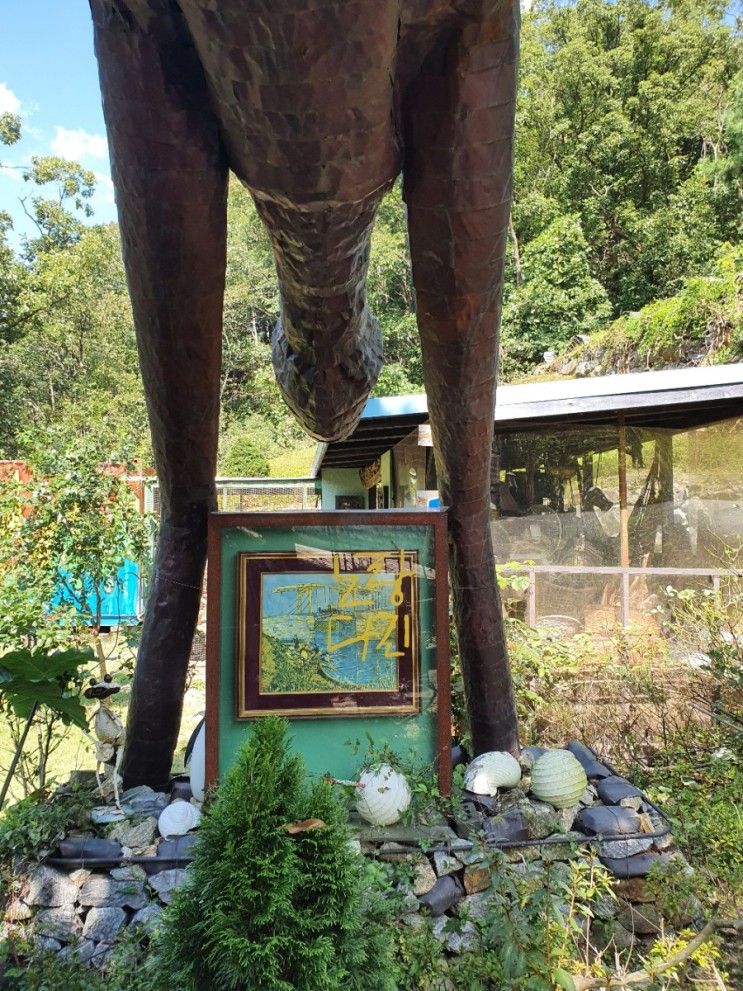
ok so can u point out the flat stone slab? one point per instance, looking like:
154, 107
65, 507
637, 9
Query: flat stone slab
105, 892
614, 789
138, 836
643, 920
426, 836
593, 767
444, 863
49, 888
608, 820
63, 924
424, 878
146, 918
166, 883
625, 848
637, 866
102, 924
102, 815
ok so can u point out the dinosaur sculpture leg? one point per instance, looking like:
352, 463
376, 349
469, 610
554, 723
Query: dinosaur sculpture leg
171, 181
459, 127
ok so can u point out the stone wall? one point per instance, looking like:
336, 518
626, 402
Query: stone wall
118, 874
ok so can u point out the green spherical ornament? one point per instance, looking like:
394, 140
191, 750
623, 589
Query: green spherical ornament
558, 779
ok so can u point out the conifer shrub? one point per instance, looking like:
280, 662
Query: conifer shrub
266, 909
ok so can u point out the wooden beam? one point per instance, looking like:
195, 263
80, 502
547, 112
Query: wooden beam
623, 520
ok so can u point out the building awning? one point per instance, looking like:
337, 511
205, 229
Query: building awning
675, 399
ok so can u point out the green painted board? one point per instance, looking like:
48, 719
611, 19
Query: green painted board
329, 744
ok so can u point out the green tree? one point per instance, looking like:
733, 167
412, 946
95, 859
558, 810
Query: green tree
244, 459
557, 297
620, 103
70, 528
274, 896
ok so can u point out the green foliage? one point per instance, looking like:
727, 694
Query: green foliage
393, 381
621, 105
128, 968
705, 318
557, 299
76, 526
265, 910
72, 360
244, 459
31, 827
36, 677
530, 934
10, 128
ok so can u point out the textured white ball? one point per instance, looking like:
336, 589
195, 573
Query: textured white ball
178, 818
490, 771
558, 779
384, 797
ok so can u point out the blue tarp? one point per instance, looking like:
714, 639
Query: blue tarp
120, 598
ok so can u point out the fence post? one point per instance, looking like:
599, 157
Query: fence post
531, 604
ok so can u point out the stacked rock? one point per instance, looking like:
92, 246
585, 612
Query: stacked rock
546, 809
89, 892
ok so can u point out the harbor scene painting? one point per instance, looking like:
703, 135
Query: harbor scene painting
339, 627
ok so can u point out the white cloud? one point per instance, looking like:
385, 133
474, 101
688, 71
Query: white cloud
9, 102
78, 145
10, 172
105, 188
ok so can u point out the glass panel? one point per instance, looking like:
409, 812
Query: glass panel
555, 497
409, 461
570, 603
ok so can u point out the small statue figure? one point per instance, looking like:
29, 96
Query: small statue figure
109, 732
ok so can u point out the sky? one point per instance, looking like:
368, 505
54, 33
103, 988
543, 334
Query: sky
48, 75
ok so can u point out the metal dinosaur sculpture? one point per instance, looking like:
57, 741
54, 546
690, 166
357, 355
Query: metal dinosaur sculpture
317, 106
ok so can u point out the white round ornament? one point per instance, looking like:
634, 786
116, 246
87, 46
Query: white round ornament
178, 818
558, 778
384, 795
197, 764
490, 771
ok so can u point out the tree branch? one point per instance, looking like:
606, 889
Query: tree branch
638, 978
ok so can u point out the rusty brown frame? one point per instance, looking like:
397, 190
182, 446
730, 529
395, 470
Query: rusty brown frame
436, 519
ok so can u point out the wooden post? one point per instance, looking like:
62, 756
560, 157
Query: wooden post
623, 520
664, 454
531, 612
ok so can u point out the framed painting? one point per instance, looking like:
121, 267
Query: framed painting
331, 633
333, 621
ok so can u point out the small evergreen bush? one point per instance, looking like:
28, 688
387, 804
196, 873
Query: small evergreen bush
265, 910
244, 459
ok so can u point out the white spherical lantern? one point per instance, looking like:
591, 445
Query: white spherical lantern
383, 795
558, 778
178, 818
198, 764
490, 771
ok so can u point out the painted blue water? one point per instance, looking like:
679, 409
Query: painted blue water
345, 664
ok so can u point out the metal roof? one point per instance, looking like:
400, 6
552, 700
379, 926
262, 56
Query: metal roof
676, 398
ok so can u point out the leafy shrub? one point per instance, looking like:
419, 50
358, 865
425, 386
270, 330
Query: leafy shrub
244, 459
557, 298
128, 968
265, 909
704, 315
30, 827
